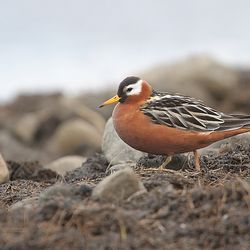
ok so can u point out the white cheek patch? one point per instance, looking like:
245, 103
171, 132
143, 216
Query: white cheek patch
136, 88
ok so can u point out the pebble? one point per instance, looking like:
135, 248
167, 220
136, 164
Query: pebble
65, 164
118, 186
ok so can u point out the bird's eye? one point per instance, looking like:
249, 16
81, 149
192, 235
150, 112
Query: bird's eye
129, 89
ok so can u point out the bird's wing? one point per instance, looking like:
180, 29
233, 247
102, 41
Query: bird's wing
189, 114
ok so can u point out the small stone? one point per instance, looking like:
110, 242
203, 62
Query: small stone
27, 203
55, 191
115, 150
118, 186
4, 171
65, 192
65, 164
120, 166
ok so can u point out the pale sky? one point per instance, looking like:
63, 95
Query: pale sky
74, 45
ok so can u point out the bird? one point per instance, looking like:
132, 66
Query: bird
163, 123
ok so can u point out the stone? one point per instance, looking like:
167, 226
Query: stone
198, 76
118, 187
115, 150
4, 171
120, 166
65, 191
55, 191
73, 134
26, 126
28, 203
73, 105
68, 163
14, 150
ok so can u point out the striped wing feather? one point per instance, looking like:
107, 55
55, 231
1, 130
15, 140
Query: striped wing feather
187, 113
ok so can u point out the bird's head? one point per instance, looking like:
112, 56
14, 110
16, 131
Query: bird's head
131, 89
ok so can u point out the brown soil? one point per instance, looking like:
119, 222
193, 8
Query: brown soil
180, 210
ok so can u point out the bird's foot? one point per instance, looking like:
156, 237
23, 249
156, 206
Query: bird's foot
162, 166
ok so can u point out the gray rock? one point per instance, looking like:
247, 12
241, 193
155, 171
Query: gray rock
4, 171
72, 134
65, 164
118, 186
12, 149
69, 105
65, 192
120, 166
26, 126
55, 191
115, 150
28, 203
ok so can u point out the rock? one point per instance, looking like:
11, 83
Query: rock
198, 76
65, 191
28, 203
115, 150
118, 186
55, 191
16, 151
4, 171
120, 166
25, 128
68, 163
74, 134
38, 124
72, 105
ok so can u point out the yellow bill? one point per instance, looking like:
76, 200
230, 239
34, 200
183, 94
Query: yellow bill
112, 100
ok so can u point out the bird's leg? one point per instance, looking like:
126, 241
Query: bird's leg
165, 163
197, 160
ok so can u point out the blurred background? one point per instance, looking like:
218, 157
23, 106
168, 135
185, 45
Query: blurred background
59, 59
